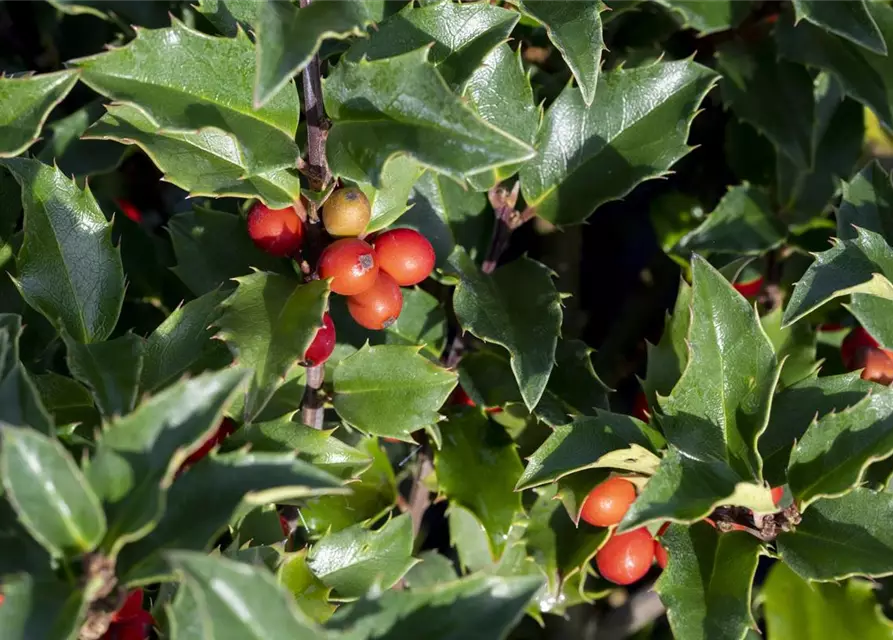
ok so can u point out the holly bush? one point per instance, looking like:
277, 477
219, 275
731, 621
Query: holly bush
298, 317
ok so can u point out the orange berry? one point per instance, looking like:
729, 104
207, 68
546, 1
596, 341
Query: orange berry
777, 494
876, 364
377, 307
627, 557
405, 254
352, 265
607, 503
346, 213
279, 232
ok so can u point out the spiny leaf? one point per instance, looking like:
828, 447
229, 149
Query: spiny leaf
669, 357
709, 16
389, 202
229, 16
111, 369
867, 203
40, 607
850, 20
25, 104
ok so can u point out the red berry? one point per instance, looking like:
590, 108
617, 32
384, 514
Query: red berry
279, 232
227, 426
751, 288
129, 210
829, 327
777, 494
460, 397
663, 528
853, 345
660, 554
405, 255
876, 364
640, 408
323, 343
606, 505
626, 558
378, 307
352, 265
131, 607
283, 524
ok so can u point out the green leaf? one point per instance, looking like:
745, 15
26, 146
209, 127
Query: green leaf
470, 539
389, 202
833, 454
390, 390
310, 594
268, 323
67, 400
635, 131
422, 322
840, 538
669, 357
850, 20
68, 269
575, 28
456, 52
375, 119
610, 440
75, 156
206, 161
432, 569
478, 467
794, 607
795, 345
755, 84
500, 92
863, 264
865, 75
181, 341
26, 105
110, 369
575, 488
213, 247
288, 36
175, 75
235, 600
40, 608
516, 307
49, 493
228, 16
240, 479
137, 455
355, 560
20, 402
742, 223
707, 583
478, 606
709, 16
795, 408
867, 201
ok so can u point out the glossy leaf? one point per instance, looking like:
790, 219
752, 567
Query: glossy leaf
432, 569
310, 594
795, 345
110, 369
867, 201
850, 20
40, 608
371, 124
470, 539
20, 402
709, 16
268, 323
66, 400
205, 162
192, 522
634, 131
456, 52
288, 36
858, 521
68, 269
390, 390
389, 202
831, 457
355, 560
26, 104
575, 28
669, 357
49, 493
707, 583
175, 74
228, 16
422, 321
139, 453
478, 467
518, 308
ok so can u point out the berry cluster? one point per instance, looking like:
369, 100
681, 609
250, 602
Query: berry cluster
861, 351
369, 272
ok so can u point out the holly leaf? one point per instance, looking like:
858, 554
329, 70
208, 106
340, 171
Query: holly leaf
213, 247
68, 269
742, 223
432, 569
374, 120
709, 16
236, 480
40, 607
308, 591
175, 75
867, 201
794, 345
75, 156
706, 586
516, 307
833, 454
228, 16
863, 264
755, 83
575, 28
849, 610
390, 390
49, 493
66, 400
137, 455
865, 75
609, 440
389, 202
289, 36
20, 401
355, 560
477, 468
795, 408
470, 539
840, 538
669, 357
587, 156
110, 369
268, 323
181, 342
206, 161
455, 52
481, 605
26, 105
850, 20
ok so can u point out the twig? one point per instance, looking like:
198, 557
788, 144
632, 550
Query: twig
317, 171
